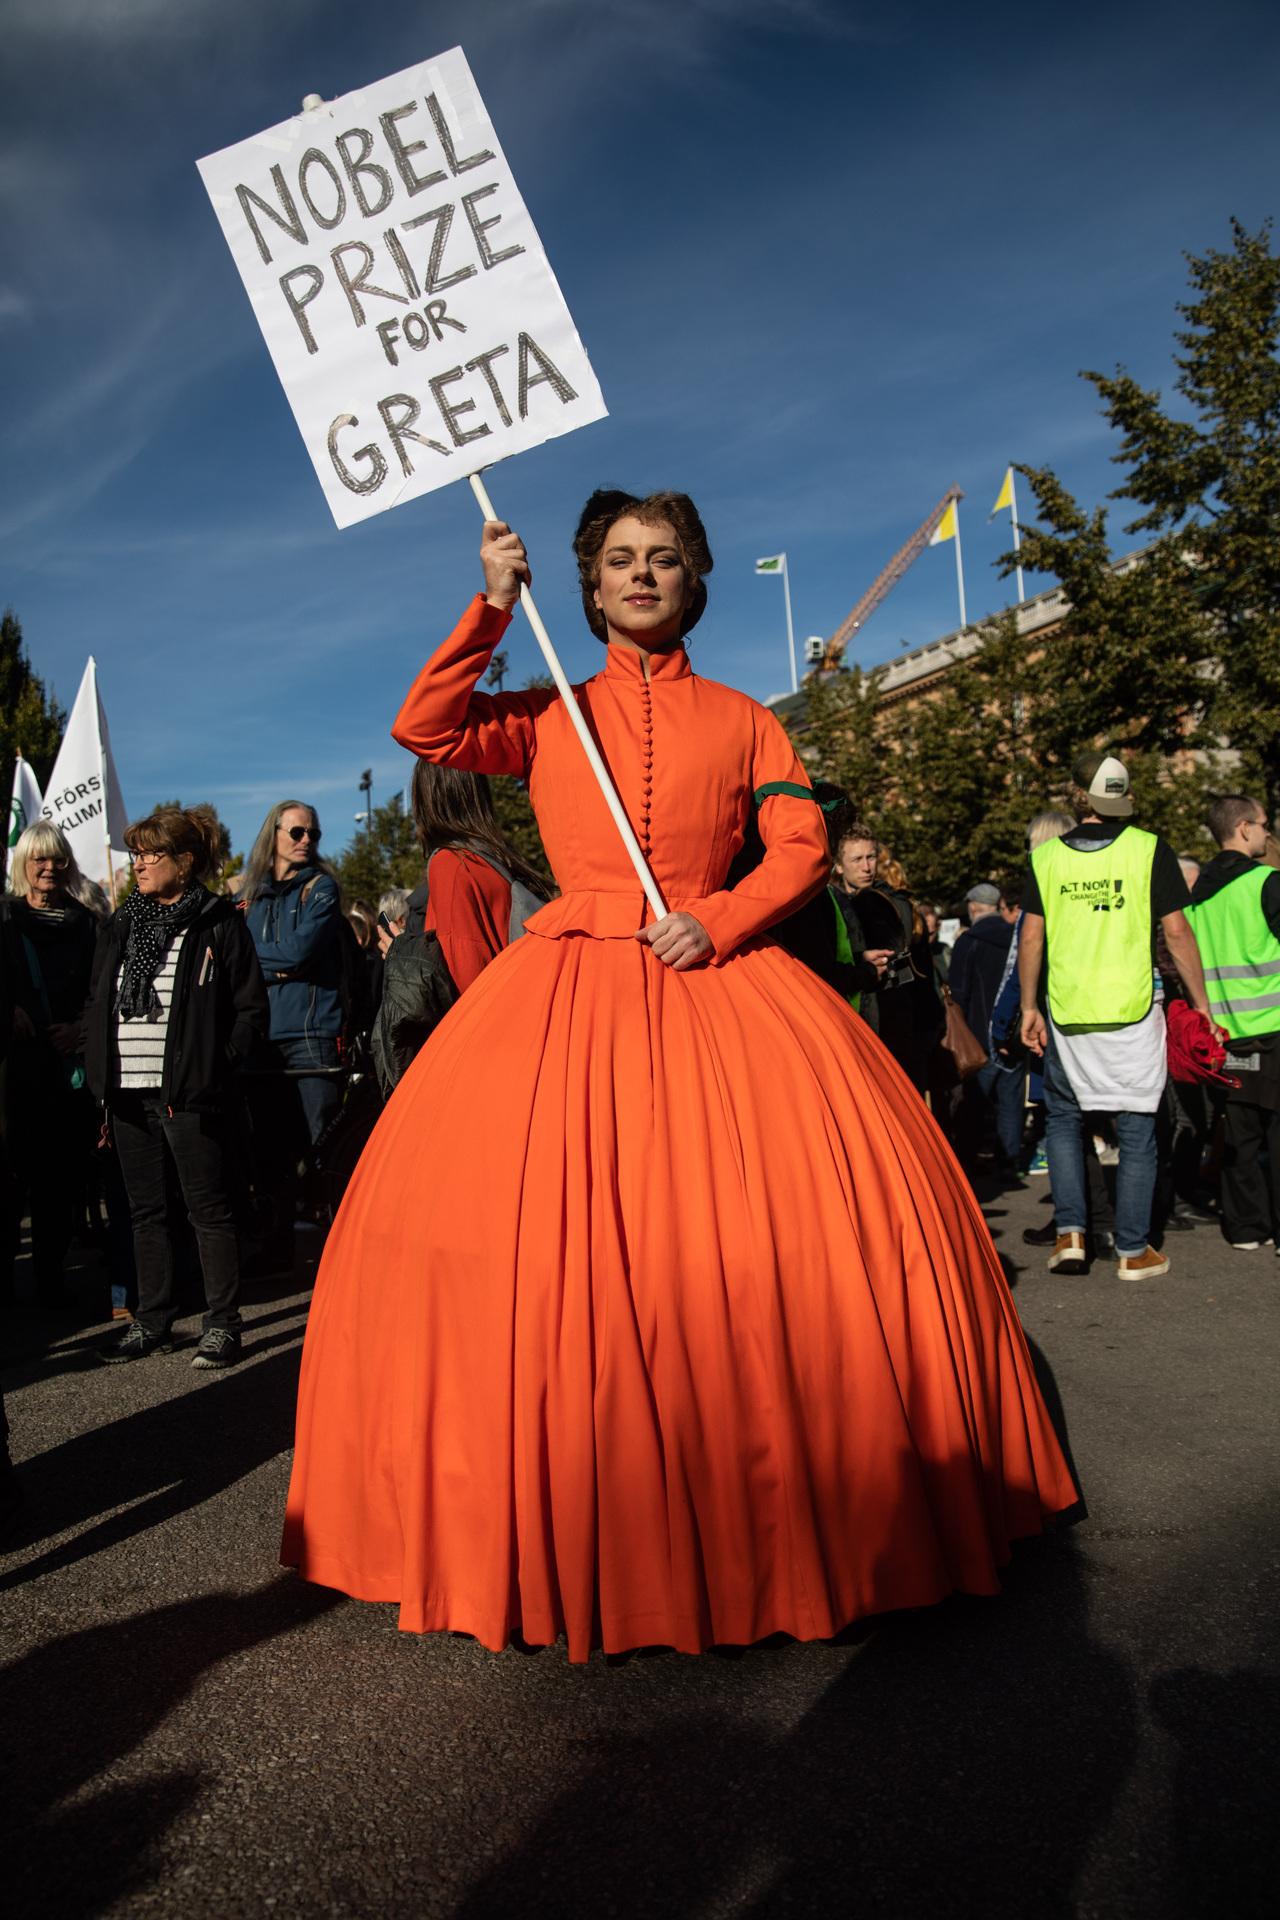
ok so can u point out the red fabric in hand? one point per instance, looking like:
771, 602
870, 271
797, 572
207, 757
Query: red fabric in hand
1197, 1048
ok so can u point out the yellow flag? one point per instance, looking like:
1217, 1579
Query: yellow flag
946, 527
1005, 497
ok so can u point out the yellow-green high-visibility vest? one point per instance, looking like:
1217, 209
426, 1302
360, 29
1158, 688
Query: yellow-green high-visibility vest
1097, 929
1241, 956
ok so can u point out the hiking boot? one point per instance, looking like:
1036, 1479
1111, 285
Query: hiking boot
1148, 1265
219, 1347
135, 1343
1068, 1254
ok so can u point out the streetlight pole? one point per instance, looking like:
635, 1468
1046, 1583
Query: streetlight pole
366, 789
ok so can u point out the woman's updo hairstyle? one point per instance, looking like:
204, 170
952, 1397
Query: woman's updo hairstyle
608, 504
177, 831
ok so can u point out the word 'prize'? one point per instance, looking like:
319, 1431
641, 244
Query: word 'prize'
402, 290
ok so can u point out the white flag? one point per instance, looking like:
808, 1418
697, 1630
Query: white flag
84, 797
26, 803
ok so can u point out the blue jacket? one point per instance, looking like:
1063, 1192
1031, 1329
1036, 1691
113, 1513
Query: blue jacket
297, 929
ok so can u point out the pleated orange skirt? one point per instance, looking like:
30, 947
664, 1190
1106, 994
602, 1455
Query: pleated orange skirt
658, 1312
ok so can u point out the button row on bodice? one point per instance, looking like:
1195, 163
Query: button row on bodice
646, 760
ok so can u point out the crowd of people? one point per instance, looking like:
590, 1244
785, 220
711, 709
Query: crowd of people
198, 1069
204, 1042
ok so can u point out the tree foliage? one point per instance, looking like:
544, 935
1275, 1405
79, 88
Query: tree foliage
1170, 658
31, 721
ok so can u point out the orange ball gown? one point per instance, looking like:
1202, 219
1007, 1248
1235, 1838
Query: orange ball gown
658, 1311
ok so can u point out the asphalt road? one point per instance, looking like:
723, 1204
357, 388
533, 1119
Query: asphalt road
189, 1732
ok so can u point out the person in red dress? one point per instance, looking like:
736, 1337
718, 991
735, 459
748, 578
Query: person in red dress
658, 1311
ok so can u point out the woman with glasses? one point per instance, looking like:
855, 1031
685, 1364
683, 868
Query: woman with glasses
46, 1113
178, 1003
293, 906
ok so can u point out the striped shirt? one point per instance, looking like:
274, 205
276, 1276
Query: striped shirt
139, 1048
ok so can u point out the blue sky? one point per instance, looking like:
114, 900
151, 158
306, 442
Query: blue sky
826, 259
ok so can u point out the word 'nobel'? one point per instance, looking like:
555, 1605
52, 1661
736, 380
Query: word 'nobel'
323, 190
401, 412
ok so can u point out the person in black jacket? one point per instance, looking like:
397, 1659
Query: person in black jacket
178, 1002
995, 1099
47, 1121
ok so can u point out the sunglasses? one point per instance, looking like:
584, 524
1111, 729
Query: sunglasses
303, 833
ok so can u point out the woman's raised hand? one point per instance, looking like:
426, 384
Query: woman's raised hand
679, 941
505, 563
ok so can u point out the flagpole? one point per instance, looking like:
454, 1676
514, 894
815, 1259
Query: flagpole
1017, 538
791, 634
955, 507
580, 727
106, 791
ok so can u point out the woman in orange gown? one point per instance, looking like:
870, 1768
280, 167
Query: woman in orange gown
658, 1311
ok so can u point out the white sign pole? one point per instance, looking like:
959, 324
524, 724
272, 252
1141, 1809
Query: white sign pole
580, 727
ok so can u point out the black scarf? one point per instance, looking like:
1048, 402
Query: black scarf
151, 928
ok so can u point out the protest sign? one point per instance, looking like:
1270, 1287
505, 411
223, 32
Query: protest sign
404, 295
84, 797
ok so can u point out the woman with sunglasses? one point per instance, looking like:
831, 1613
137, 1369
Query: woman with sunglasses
177, 1004
48, 934
293, 906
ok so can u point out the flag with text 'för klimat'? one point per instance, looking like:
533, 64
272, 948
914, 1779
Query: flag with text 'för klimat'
401, 287
84, 797
24, 806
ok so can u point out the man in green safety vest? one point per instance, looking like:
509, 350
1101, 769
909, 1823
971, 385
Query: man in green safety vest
1091, 905
1235, 911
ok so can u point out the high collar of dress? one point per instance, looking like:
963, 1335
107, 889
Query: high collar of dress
621, 663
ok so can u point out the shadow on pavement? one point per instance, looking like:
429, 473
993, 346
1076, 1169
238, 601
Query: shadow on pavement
72, 1708
961, 1764
1227, 1729
160, 1460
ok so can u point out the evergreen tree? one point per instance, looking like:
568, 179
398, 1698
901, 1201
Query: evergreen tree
1184, 646
31, 721
383, 854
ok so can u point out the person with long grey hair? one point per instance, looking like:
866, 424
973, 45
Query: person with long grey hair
293, 906
49, 935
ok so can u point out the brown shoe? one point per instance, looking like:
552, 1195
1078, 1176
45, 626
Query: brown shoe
1142, 1266
1068, 1254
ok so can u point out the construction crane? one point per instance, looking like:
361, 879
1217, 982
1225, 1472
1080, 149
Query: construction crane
884, 583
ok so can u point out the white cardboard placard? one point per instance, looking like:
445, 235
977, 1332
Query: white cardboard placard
401, 287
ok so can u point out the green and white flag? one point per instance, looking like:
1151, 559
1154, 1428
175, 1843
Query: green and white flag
775, 565
26, 802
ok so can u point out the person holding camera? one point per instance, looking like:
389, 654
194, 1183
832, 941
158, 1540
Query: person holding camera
904, 1009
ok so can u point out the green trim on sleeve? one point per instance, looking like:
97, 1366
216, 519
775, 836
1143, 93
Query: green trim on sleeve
783, 786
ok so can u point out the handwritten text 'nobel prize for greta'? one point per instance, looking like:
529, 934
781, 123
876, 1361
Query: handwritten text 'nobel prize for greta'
456, 245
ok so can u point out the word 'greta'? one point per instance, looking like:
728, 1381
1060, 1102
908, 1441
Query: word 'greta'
401, 412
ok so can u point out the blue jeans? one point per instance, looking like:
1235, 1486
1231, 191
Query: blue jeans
1135, 1175
1004, 1086
320, 1097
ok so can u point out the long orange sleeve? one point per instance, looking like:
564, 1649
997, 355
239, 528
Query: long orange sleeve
445, 720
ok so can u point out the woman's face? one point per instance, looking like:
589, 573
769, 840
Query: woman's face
159, 874
46, 878
644, 589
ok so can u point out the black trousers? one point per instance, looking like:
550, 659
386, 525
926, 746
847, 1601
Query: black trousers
147, 1138
44, 1162
1250, 1170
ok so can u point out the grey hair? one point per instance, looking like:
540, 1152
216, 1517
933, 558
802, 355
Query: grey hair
42, 838
1049, 825
395, 903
